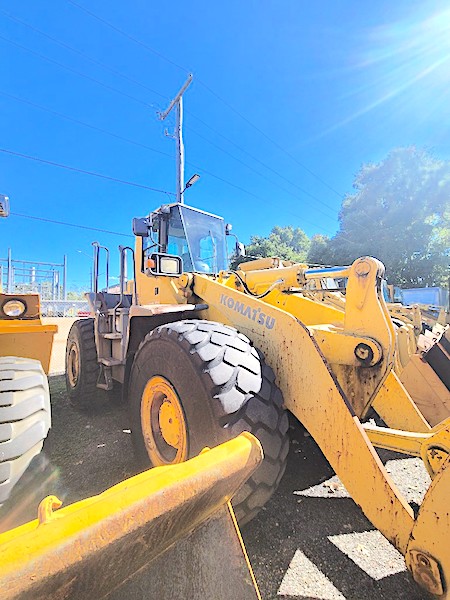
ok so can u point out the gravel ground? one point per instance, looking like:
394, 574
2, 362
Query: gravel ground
310, 542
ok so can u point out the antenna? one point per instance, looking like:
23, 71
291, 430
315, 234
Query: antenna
177, 102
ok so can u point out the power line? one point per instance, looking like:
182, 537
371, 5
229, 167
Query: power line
127, 35
70, 224
84, 172
77, 170
102, 65
210, 90
260, 174
144, 146
84, 124
77, 121
55, 62
82, 54
256, 159
264, 134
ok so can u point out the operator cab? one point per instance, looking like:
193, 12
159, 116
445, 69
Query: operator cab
180, 238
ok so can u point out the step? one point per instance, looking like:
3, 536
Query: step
111, 336
110, 362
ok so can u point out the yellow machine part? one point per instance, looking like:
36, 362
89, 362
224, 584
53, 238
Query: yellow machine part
333, 362
426, 389
330, 398
26, 336
176, 521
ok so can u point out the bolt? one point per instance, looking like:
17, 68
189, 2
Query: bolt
362, 353
423, 560
362, 268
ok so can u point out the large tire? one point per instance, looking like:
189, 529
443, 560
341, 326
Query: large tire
25, 417
82, 368
224, 387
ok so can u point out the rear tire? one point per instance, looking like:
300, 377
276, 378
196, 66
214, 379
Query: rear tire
82, 368
218, 385
25, 417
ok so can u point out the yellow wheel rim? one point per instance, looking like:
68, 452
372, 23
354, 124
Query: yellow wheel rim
163, 423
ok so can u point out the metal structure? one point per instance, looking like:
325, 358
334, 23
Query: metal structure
47, 279
177, 522
197, 381
192, 345
177, 103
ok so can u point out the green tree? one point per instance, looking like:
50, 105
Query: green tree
399, 213
288, 243
320, 252
76, 294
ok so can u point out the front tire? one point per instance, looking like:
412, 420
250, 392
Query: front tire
24, 417
82, 368
199, 383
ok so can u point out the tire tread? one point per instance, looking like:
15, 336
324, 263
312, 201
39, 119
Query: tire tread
238, 405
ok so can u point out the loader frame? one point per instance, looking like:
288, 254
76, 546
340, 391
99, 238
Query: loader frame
332, 364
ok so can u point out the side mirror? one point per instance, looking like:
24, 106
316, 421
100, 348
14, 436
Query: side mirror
240, 249
140, 226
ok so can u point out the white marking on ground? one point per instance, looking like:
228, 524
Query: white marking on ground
332, 488
409, 475
303, 578
371, 551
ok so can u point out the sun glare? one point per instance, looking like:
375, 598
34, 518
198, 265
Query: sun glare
406, 60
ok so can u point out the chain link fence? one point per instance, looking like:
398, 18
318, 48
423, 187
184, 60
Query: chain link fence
64, 308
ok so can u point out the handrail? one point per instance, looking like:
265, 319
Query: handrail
97, 248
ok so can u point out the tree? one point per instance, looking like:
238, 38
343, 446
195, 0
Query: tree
285, 242
320, 252
76, 294
399, 213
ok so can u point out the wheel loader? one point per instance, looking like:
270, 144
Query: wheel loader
165, 520
203, 353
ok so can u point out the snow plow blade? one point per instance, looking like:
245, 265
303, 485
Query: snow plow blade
174, 521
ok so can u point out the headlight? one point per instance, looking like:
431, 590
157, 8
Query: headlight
14, 308
169, 265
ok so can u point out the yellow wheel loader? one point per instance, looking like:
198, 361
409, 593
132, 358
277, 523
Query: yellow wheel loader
204, 353
166, 521
25, 349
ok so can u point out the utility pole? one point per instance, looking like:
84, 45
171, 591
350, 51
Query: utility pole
177, 103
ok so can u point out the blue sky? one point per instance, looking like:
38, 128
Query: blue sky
288, 100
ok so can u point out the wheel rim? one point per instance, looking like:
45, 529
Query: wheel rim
163, 423
73, 365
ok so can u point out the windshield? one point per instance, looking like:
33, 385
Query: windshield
198, 238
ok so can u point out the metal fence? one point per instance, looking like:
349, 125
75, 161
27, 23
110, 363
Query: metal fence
64, 308
49, 280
